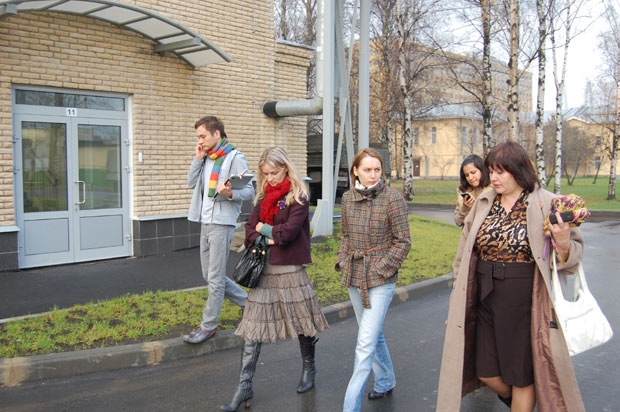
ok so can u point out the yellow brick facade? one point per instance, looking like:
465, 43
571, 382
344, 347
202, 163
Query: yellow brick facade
600, 137
441, 156
167, 95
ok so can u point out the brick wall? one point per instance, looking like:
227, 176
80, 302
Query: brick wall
167, 95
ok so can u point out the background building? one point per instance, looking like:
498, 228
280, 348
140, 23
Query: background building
588, 141
448, 125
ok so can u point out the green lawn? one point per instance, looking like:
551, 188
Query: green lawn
444, 191
159, 315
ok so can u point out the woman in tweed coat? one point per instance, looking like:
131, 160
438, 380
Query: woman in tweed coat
375, 242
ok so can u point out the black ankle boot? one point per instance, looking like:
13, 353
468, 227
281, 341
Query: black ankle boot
308, 372
507, 401
244, 392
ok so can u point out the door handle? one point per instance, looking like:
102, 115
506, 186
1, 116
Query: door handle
83, 200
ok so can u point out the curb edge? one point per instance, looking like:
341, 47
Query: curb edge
15, 371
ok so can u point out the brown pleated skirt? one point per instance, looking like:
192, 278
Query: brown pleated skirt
503, 329
282, 305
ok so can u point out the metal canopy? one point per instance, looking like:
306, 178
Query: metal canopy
169, 35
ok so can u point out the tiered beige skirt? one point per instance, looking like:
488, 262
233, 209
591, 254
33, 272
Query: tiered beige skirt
282, 305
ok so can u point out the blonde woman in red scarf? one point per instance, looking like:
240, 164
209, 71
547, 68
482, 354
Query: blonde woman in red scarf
283, 305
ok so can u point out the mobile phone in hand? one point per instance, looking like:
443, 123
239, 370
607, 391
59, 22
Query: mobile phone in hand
466, 196
566, 217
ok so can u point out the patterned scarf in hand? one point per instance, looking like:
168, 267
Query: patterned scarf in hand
273, 194
218, 153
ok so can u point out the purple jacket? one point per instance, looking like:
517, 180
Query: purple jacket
291, 234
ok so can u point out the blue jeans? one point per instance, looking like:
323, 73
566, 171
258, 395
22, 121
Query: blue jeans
215, 243
371, 351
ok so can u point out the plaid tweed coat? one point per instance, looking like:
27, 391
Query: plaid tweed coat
375, 238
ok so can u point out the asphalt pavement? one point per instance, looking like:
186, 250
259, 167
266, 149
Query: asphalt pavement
422, 339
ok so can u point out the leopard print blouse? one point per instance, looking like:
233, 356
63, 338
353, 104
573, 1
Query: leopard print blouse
503, 236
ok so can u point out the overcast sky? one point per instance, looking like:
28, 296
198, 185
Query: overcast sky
584, 60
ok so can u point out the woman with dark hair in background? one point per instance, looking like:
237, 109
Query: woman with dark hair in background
474, 180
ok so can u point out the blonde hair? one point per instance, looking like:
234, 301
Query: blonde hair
277, 157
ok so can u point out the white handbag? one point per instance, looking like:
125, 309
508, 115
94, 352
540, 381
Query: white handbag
581, 319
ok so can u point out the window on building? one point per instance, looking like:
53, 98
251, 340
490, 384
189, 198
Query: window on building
474, 136
78, 101
597, 141
416, 136
433, 135
597, 163
464, 136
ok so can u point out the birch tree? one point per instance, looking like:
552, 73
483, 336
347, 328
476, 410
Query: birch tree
542, 10
610, 45
521, 43
500, 25
415, 21
558, 80
513, 71
480, 88
487, 80
561, 19
384, 85
404, 38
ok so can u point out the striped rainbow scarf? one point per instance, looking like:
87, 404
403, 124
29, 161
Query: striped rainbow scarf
218, 155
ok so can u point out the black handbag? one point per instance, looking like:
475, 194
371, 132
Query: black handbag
250, 266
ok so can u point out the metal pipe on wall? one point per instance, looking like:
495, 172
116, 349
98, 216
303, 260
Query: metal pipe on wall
324, 101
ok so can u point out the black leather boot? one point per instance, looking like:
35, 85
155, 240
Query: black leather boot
507, 401
249, 358
308, 372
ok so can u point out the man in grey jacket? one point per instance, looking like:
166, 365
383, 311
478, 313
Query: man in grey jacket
216, 206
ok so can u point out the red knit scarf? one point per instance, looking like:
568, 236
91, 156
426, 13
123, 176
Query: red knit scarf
273, 194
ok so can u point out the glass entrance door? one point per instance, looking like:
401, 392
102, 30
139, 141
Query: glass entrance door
71, 189
44, 201
99, 184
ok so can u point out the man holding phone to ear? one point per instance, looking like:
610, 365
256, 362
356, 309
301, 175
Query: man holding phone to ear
216, 206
